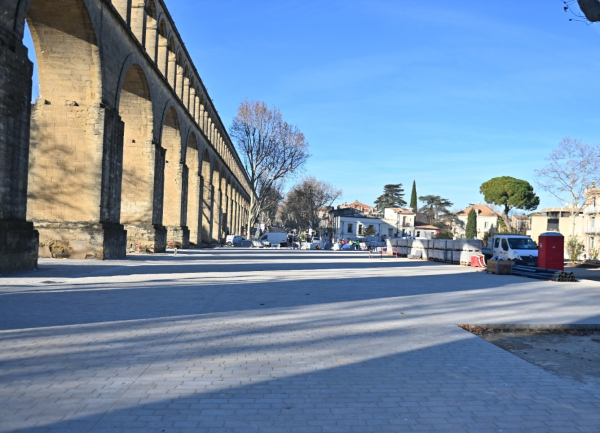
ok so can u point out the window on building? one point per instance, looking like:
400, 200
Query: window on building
350, 228
552, 225
592, 243
593, 222
486, 225
403, 221
418, 234
390, 232
361, 229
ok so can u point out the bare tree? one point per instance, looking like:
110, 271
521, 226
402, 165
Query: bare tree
272, 151
273, 199
303, 204
572, 167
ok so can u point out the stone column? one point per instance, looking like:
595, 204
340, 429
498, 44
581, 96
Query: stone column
194, 209
18, 240
175, 219
73, 149
206, 211
214, 215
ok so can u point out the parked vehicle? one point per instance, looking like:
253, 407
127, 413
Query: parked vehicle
270, 239
520, 249
234, 240
229, 239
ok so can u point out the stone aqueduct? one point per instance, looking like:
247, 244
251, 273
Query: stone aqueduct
123, 146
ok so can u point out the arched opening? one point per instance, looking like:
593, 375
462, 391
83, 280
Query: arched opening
137, 192
197, 107
185, 94
194, 190
69, 178
122, 6
150, 42
179, 80
192, 104
206, 194
171, 67
174, 188
138, 20
162, 57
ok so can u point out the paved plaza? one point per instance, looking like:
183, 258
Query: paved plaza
234, 340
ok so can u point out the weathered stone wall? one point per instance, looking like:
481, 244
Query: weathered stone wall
18, 239
107, 163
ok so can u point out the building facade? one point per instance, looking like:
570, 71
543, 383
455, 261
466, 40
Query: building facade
487, 221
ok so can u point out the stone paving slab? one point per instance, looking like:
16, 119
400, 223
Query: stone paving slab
280, 341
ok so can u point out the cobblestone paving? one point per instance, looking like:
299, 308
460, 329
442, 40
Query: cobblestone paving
280, 341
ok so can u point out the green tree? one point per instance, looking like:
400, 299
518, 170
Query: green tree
413, 198
574, 248
370, 231
510, 193
471, 229
444, 234
393, 196
436, 209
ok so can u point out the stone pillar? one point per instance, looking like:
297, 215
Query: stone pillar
18, 240
225, 224
194, 209
177, 232
157, 234
206, 211
214, 209
76, 162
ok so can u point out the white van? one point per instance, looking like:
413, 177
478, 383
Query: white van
270, 239
520, 249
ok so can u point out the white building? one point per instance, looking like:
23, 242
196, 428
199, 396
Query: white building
403, 221
487, 219
349, 223
425, 231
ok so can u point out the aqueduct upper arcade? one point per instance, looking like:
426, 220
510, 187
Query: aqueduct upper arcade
123, 146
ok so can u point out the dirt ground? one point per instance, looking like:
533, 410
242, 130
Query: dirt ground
571, 354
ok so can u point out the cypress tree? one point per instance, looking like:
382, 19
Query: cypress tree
471, 229
413, 197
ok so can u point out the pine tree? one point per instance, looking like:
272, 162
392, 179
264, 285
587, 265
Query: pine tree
471, 229
413, 197
393, 196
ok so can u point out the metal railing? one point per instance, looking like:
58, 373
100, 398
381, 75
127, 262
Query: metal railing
592, 229
589, 210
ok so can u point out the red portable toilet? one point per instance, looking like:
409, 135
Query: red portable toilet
551, 252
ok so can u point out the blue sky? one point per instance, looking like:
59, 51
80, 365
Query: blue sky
449, 94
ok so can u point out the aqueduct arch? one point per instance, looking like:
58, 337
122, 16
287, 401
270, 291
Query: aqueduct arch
68, 153
110, 152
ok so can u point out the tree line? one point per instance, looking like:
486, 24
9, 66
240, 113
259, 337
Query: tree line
274, 152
